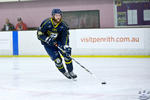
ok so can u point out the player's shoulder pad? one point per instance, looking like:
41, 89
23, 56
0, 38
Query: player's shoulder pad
64, 25
46, 21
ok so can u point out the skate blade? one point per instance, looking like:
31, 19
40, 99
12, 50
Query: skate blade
74, 79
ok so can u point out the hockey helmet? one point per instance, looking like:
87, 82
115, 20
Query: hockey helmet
56, 11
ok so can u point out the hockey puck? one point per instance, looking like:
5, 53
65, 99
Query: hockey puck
103, 83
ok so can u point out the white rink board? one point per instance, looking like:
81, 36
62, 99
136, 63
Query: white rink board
111, 48
110, 38
29, 44
6, 43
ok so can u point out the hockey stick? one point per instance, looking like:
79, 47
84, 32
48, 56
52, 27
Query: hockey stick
103, 82
74, 60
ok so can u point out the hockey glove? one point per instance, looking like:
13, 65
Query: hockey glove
67, 50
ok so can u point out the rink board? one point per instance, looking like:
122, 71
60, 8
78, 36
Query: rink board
85, 43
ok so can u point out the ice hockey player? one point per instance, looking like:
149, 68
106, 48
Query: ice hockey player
53, 31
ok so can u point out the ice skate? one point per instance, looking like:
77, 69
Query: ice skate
72, 75
67, 75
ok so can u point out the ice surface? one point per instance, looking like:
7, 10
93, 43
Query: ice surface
39, 79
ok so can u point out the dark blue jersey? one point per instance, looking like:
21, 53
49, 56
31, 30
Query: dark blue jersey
60, 31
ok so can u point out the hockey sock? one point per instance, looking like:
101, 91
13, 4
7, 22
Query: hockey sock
59, 65
69, 65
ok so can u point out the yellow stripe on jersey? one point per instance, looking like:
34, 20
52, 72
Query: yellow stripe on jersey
55, 26
66, 39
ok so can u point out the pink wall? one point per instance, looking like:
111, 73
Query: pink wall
33, 13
